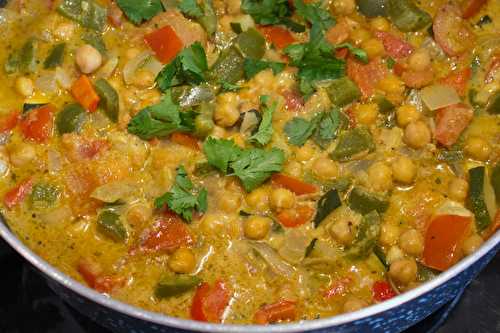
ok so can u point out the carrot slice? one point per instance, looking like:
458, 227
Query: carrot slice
165, 43
84, 93
278, 36
293, 184
271, 313
18, 193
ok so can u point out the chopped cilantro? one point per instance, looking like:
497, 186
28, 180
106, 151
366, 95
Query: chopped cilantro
140, 10
299, 130
252, 67
320, 18
203, 13
265, 130
190, 8
267, 12
221, 152
360, 54
181, 198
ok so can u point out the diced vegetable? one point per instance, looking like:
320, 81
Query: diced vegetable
85, 94
229, 67
209, 18
366, 76
443, 240
480, 192
209, 302
197, 95
439, 96
92, 273
38, 123
451, 31
366, 237
252, 44
394, 46
185, 140
327, 204
9, 121
70, 119
495, 181
203, 123
425, 274
372, 8
17, 194
294, 217
86, 12
272, 258
293, 184
451, 122
343, 91
382, 291
353, 144
109, 99
55, 57
165, 43
173, 285
109, 224
270, 313
170, 235
278, 36
458, 80
364, 202
95, 40
493, 106
407, 16
44, 195
22, 60
294, 248
471, 7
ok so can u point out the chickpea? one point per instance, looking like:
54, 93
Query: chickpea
343, 7
380, 24
366, 114
359, 35
389, 234
417, 135
373, 47
230, 202
477, 148
354, 304
139, 214
24, 86
213, 225
64, 31
226, 113
391, 84
380, 176
342, 231
412, 242
406, 114
419, 60
281, 198
88, 59
258, 199
22, 155
182, 261
472, 243
293, 168
404, 170
325, 168
457, 189
304, 153
394, 254
403, 271
257, 227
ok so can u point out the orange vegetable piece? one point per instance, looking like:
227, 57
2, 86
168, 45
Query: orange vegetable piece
471, 7
366, 76
209, 302
293, 184
451, 121
295, 217
185, 140
84, 93
271, 313
92, 273
443, 240
9, 121
458, 80
37, 125
165, 43
278, 36
18, 193
171, 234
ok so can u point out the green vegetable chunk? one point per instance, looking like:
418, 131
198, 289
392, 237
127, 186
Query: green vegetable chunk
203, 123
364, 202
366, 237
267, 12
229, 67
22, 60
95, 39
343, 91
138, 11
425, 274
372, 8
252, 44
353, 143
88, 13
109, 224
173, 285
477, 197
55, 57
407, 16
44, 195
327, 204
109, 99
493, 106
70, 119
204, 13
495, 181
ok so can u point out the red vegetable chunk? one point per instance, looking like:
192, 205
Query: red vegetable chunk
451, 121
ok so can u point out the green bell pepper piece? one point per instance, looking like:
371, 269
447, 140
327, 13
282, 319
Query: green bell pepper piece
252, 44
364, 202
70, 119
55, 57
407, 16
229, 67
172, 285
109, 224
353, 143
22, 60
343, 91
109, 99
44, 195
88, 13
366, 237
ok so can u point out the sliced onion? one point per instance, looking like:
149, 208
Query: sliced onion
108, 68
153, 65
46, 82
4, 167
439, 96
63, 78
54, 161
273, 259
294, 246
450, 207
59, 214
133, 65
113, 191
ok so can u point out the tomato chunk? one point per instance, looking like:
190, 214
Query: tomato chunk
339, 33
165, 43
451, 31
92, 273
366, 76
471, 7
171, 234
443, 240
278, 36
18, 193
382, 291
271, 313
210, 302
293, 100
84, 93
185, 140
9, 121
451, 121
293, 184
295, 217
394, 46
458, 80
414, 79
37, 125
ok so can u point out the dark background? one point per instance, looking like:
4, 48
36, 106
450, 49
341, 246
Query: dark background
27, 305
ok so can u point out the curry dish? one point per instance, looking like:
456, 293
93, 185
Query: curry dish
253, 161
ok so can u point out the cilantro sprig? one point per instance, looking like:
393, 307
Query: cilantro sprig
253, 166
183, 198
265, 130
271, 12
138, 11
252, 67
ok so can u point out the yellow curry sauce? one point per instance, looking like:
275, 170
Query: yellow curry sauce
248, 161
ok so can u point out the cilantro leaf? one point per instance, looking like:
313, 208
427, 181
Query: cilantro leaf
226, 86
320, 18
299, 130
267, 12
254, 166
140, 10
327, 127
252, 67
180, 198
360, 54
161, 120
265, 130
190, 8
220, 153
188, 67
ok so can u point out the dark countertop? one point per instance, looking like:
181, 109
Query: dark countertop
27, 305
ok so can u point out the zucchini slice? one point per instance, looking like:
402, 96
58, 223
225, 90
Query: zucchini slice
481, 197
